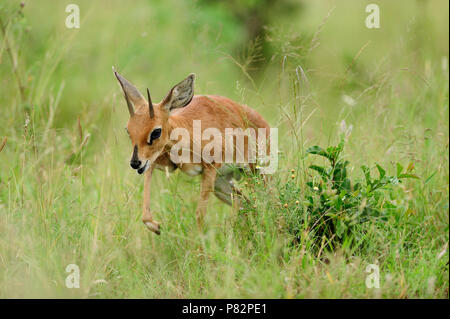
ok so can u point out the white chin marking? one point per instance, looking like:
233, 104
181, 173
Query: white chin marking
148, 162
142, 169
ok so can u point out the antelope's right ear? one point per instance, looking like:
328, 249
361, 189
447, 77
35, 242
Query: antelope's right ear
180, 95
130, 92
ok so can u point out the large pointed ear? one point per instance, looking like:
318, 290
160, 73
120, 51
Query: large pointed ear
130, 92
180, 95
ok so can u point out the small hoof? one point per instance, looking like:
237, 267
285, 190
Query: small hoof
153, 226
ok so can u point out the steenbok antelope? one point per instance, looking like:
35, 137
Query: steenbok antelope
153, 130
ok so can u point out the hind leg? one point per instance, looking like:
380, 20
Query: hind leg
223, 190
226, 191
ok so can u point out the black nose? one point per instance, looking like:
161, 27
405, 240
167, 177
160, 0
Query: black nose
135, 164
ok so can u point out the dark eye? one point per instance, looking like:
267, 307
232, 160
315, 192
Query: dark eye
154, 135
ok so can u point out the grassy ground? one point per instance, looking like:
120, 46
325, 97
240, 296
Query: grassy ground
67, 195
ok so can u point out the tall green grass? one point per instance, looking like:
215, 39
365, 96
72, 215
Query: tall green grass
67, 195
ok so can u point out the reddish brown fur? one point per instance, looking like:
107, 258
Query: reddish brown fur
213, 111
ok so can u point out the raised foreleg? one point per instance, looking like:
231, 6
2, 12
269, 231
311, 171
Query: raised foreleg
147, 217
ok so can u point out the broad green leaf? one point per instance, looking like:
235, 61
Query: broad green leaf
399, 169
317, 150
381, 171
366, 172
321, 170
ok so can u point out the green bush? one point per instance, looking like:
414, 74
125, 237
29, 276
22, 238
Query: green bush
334, 204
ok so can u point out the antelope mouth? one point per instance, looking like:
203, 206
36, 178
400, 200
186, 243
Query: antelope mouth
142, 169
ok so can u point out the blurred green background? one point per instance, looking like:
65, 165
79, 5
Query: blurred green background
155, 43
311, 68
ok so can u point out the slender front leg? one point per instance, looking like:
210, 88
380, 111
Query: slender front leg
147, 217
207, 187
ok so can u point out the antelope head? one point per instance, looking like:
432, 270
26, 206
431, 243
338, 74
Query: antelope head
148, 126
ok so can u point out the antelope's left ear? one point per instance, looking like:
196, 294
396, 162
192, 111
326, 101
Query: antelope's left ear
180, 95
